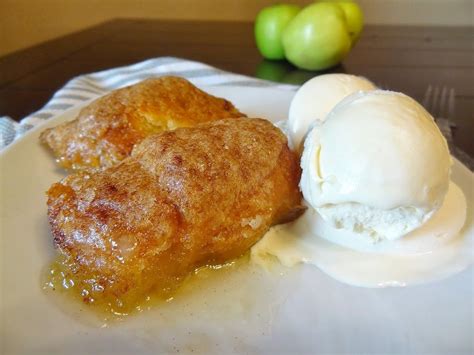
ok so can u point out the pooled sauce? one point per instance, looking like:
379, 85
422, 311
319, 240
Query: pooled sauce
440, 248
58, 281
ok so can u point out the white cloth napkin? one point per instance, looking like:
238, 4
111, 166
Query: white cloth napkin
89, 86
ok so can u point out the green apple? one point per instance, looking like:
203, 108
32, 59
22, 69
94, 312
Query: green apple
269, 26
317, 37
354, 17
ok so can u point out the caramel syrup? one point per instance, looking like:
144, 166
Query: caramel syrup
58, 281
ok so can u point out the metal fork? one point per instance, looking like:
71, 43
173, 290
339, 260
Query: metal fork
441, 103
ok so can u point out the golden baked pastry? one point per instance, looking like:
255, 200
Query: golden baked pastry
105, 131
183, 199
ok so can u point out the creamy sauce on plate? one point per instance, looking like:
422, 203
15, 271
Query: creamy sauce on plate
434, 251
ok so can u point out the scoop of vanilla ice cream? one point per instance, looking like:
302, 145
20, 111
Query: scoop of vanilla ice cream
378, 165
318, 96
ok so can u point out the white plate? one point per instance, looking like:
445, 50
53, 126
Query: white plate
299, 310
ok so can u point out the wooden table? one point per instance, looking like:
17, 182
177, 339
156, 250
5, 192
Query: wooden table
406, 59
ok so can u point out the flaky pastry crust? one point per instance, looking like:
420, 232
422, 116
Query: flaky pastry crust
183, 199
106, 130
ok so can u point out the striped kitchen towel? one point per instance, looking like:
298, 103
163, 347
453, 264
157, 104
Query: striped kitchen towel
89, 86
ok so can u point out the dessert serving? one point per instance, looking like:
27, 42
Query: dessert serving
295, 302
372, 166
